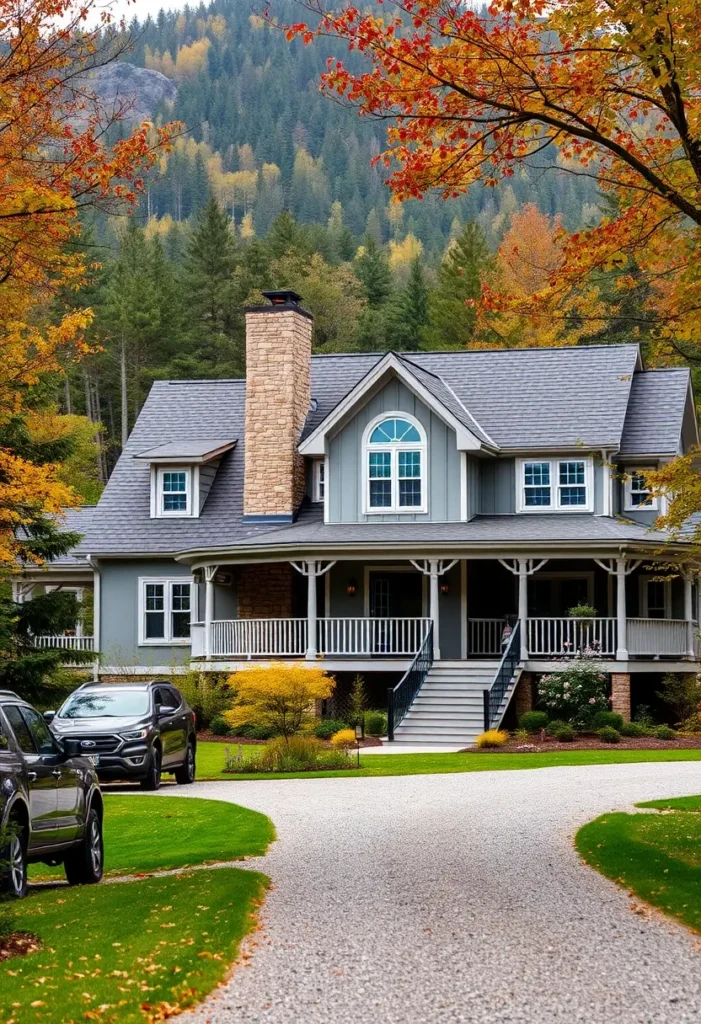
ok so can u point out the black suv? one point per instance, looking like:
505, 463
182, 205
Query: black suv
50, 801
131, 730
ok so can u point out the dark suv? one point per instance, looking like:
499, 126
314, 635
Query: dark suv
131, 730
50, 801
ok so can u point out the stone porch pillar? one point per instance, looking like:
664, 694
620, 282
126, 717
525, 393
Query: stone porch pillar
620, 694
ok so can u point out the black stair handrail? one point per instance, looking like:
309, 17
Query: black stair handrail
402, 696
494, 696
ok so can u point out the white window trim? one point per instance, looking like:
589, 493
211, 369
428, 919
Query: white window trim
554, 464
167, 581
394, 448
192, 481
628, 505
318, 470
643, 582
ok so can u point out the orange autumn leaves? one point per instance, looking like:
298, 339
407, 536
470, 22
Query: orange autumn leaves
54, 163
614, 88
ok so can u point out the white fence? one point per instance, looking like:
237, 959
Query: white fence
65, 643
371, 636
561, 638
484, 636
259, 637
660, 636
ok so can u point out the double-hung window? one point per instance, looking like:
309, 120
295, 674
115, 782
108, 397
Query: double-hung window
318, 480
395, 465
637, 492
165, 609
555, 485
172, 491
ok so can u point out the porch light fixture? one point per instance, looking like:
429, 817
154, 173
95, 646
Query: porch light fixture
444, 588
351, 587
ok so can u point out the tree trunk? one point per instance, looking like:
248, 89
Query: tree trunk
67, 397
125, 402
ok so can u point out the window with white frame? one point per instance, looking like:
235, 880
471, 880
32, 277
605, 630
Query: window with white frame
637, 492
165, 609
561, 485
318, 479
395, 465
173, 489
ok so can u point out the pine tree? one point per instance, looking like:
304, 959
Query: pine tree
466, 262
407, 317
372, 270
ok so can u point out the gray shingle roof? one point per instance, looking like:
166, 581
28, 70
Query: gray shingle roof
188, 448
75, 520
653, 423
520, 398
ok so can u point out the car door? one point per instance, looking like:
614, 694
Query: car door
10, 767
172, 724
69, 792
41, 782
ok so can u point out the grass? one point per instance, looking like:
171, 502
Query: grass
656, 856
140, 950
211, 762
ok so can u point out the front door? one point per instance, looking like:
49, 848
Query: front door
395, 595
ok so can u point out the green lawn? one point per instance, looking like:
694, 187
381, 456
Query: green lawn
138, 950
656, 856
211, 762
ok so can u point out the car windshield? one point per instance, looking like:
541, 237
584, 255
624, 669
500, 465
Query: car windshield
110, 703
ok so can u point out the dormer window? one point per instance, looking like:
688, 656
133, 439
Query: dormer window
395, 465
174, 491
555, 485
637, 492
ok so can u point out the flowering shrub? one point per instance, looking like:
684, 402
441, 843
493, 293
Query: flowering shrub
576, 694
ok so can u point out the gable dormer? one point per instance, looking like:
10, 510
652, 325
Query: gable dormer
182, 473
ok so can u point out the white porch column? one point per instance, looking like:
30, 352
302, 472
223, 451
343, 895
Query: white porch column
311, 575
523, 605
209, 574
434, 606
621, 615
689, 616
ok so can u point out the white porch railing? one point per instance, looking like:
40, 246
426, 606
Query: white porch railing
560, 638
259, 637
661, 636
65, 643
484, 636
401, 636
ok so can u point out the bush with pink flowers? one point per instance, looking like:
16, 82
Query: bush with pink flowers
575, 695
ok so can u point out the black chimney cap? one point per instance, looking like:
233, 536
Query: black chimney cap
284, 297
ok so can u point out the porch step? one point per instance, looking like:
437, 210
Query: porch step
449, 708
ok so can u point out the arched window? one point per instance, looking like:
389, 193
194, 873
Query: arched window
395, 465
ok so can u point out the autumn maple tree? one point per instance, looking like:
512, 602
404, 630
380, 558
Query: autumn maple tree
55, 162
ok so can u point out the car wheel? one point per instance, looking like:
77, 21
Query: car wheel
84, 864
14, 875
185, 774
152, 779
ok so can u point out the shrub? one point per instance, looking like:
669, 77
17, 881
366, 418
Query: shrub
604, 718
609, 735
257, 732
326, 728
576, 694
207, 694
643, 716
521, 735
582, 611
683, 695
220, 727
279, 697
565, 735
376, 723
357, 702
343, 739
492, 738
663, 732
533, 721
292, 754
555, 726
634, 730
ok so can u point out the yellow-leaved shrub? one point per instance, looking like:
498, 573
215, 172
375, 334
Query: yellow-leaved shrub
492, 738
278, 696
343, 738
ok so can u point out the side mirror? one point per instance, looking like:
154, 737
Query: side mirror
158, 709
71, 748
49, 716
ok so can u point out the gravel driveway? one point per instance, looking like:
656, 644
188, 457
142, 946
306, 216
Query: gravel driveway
454, 898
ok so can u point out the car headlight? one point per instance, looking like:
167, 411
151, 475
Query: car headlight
138, 734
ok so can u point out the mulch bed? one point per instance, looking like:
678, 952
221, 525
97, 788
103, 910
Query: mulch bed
233, 741
18, 944
534, 745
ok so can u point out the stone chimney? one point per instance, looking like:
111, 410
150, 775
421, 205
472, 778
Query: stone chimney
278, 395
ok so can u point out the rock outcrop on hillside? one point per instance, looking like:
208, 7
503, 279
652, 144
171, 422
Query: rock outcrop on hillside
139, 90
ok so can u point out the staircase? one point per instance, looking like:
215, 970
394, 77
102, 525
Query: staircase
449, 708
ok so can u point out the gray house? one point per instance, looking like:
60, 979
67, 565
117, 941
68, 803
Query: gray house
427, 519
